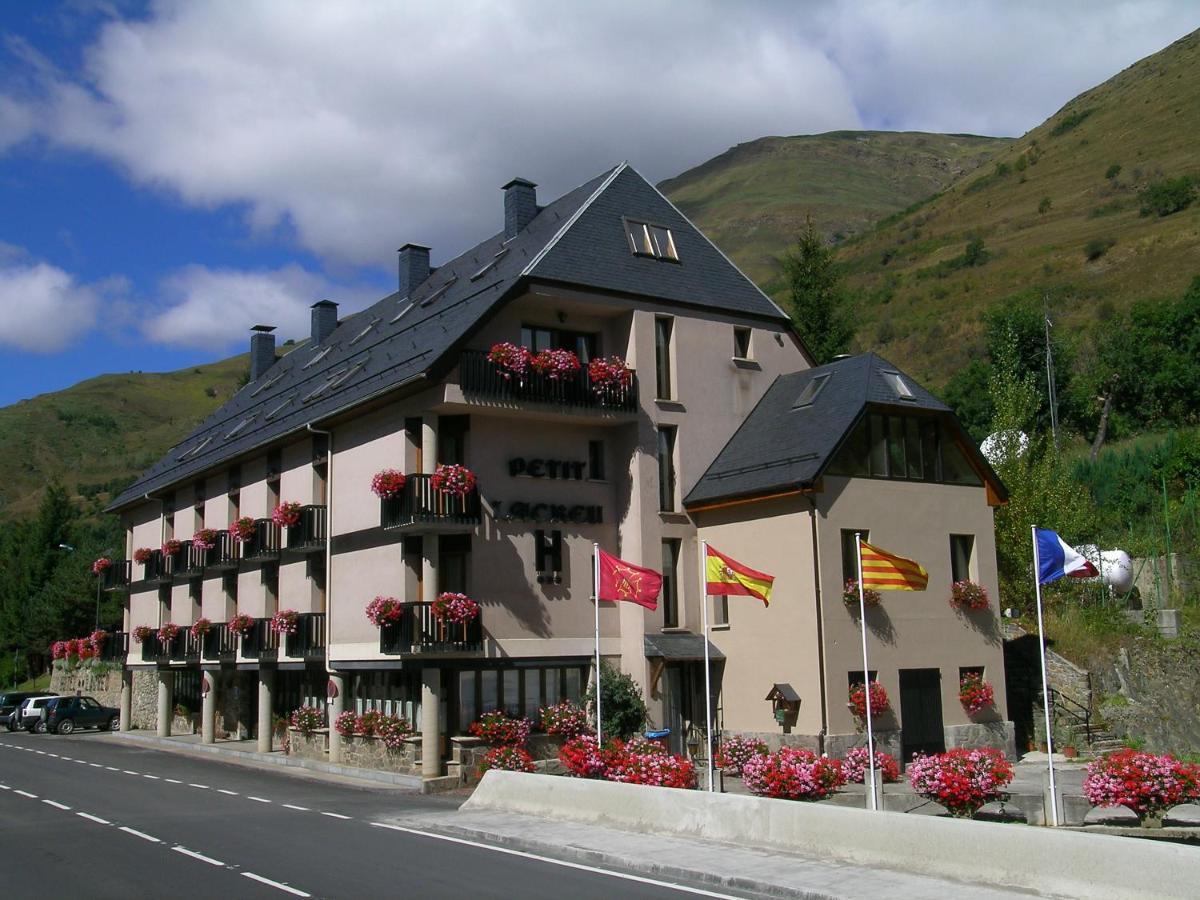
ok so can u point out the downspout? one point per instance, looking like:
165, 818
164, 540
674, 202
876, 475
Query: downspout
328, 542
820, 622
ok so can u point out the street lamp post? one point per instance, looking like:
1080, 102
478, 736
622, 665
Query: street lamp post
71, 549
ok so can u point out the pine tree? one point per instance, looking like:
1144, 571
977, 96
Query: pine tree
817, 299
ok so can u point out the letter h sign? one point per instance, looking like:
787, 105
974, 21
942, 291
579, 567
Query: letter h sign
548, 556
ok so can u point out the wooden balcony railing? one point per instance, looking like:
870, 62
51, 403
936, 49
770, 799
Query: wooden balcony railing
308, 535
116, 576
420, 504
261, 642
483, 379
418, 631
265, 543
309, 640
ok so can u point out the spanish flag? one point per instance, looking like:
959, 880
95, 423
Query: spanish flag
887, 572
726, 576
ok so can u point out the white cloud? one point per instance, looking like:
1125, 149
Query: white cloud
42, 308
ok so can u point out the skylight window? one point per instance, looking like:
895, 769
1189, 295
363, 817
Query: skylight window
491, 264
811, 390
316, 359
362, 334
651, 240
898, 385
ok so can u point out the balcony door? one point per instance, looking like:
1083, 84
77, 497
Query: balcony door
452, 439
921, 712
584, 344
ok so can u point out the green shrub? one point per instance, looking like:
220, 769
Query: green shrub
1168, 195
622, 709
1112, 171
1107, 209
1071, 120
1097, 247
1044, 205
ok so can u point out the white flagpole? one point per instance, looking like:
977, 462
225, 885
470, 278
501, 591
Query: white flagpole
596, 597
708, 716
1037, 584
862, 617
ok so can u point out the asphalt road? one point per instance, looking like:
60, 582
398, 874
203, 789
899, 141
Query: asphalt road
87, 815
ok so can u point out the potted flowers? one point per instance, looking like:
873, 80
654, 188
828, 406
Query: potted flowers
564, 718
243, 529
205, 539
285, 621
967, 595
102, 565
734, 752
855, 767
608, 375
241, 624
1147, 784
142, 555
507, 759
792, 773
167, 632
457, 609
201, 627
286, 515
974, 693
961, 780
870, 597
555, 365
384, 611
142, 633
452, 478
171, 547
510, 360
388, 483
880, 703
497, 728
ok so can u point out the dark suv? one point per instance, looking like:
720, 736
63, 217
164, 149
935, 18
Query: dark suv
66, 714
10, 706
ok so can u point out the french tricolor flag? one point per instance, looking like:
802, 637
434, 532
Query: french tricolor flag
1057, 558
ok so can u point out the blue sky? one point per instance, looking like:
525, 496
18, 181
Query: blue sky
172, 173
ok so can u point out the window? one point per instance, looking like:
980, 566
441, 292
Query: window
896, 382
915, 448
651, 240
670, 584
596, 460
666, 468
962, 548
856, 677
811, 390
452, 439
583, 344
721, 610
519, 691
850, 553
453, 557
741, 343
663, 328
964, 671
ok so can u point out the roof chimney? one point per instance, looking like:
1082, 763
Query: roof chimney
324, 320
414, 268
262, 350
520, 206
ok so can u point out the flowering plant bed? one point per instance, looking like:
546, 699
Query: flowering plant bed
392, 730
609, 374
285, 621
583, 757
142, 555
167, 632
507, 759
556, 365
141, 633
102, 565
388, 483
243, 529
201, 627
97, 638
792, 773
509, 359
384, 611
205, 539
456, 609
307, 719
496, 727
879, 700
58, 650
854, 766
871, 597
285, 515
734, 752
968, 595
451, 478
636, 762
974, 693
345, 723
241, 624
171, 547
565, 718
1147, 784
961, 780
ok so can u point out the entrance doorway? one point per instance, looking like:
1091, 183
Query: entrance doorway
921, 712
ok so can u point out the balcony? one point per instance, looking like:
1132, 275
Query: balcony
219, 644
173, 565
418, 632
308, 535
261, 642
154, 571
225, 554
150, 651
184, 647
116, 576
115, 647
189, 562
309, 640
483, 380
264, 545
420, 508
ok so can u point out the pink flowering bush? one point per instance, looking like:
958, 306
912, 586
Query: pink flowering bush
58, 650
384, 611
451, 478
565, 718
388, 483
509, 359
792, 773
285, 515
582, 757
974, 693
457, 609
556, 365
345, 723
142, 555
285, 621
205, 539
201, 627
496, 727
167, 632
142, 633
243, 529
870, 597
734, 752
171, 547
879, 700
97, 638
637, 762
507, 759
609, 374
241, 624
392, 730
961, 780
102, 565
1147, 784
307, 719
854, 766
968, 595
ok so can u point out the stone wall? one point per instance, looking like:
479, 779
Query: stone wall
982, 734
1155, 588
145, 699
106, 688
776, 740
1151, 693
886, 741
313, 746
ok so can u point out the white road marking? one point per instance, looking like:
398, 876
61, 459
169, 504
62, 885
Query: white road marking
112, 768
141, 834
230, 793
95, 765
203, 787
40, 752
559, 862
276, 884
172, 781
127, 772
151, 777
91, 818
26, 794
297, 808
257, 799
335, 815
5, 787
56, 805
200, 856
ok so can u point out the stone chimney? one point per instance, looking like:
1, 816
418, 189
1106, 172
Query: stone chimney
520, 206
324, 320
414, 268
262, 350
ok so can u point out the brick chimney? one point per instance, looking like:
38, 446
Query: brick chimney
324, 320
414, 268
262, 350
520, 206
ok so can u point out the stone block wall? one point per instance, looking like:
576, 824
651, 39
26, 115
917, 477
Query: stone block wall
886, 741
145, 699
983, 734
106, 688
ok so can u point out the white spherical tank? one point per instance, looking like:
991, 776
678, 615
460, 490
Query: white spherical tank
1114, 566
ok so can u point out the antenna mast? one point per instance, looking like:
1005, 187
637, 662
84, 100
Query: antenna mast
1050, 386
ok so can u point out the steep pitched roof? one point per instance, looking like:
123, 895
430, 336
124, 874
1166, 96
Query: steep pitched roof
784, 445
577, 239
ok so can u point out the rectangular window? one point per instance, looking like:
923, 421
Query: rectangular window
553, 687
856, 677
964, 671
912, 448
897, 465
811, 390
584, 344
511, 683
962, 548
929, 450
666, 468
489, 690
741, 343
467, 700
651, 240
574, 685
670, 585
721, 610
850, 553
596, 460
898, 385
877, 424
662, 357
533, 693
453, 556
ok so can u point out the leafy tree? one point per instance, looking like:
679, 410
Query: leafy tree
622, 709
1168, 195
967, 394
817, 298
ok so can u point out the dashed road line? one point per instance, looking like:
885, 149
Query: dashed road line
200, 856
333, 815
57, 805
26, 794
257, 799
96, 765
151, 777
5, 787
203, 787
127, 772
230, 793
112, 768
297, 808
172, 781
275, 884
91, 818
141, 834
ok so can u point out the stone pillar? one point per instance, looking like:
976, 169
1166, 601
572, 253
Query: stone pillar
166, 705
266, 680
429, 433
208, 712
126, 700
431, 744
337, 706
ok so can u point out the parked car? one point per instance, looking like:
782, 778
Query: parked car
10, 706
66, 714
33, 713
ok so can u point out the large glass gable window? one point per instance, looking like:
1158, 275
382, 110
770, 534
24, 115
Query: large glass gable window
903, 447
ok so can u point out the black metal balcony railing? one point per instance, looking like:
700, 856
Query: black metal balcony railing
153, 570
190, 560
481, 378
184, 647
420, 504
225, 553
174, 565
418, 631
309, 640
116, 576
261, 642
308, 535
219, 643
115, 646
150, 649
265, 542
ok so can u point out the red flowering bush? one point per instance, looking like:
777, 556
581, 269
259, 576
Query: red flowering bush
201, 627
142, 633
510, 359
968, 595
97, 638
496, 727
961, 780
285, 515
1147, 784
102, 565
792, 773
854, 766
243, 529
384, 611
388, 483
507, 759
345, 723
58, 650
974, 693
205, 539
392, 730
457, 609
451, 478
241, 624
171, 547
285, 621
167, 632
583, 757
565, 718
609, 374
142, 555
307, 719
879, 700
870, 597
734, 752
656, 768
557, 365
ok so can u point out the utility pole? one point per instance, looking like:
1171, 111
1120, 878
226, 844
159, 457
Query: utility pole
1051, 389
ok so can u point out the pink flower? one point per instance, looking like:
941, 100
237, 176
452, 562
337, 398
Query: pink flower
457, 609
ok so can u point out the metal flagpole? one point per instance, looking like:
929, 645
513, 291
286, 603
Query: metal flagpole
596, 597
708, 716
862, 617
1037, 583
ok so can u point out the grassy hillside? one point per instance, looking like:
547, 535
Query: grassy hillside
752, 199
97, 435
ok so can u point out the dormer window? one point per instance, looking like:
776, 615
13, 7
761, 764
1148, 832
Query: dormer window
651, 240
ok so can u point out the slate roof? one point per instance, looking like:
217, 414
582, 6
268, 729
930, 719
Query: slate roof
681, 646
784, 447
577, 239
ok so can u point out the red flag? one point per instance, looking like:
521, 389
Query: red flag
620, 580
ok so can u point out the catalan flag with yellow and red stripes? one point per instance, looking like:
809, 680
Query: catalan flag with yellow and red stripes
885, 571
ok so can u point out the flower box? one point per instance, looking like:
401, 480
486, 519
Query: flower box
870, 596
451, 478
388, 483
286, 515
967, 595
